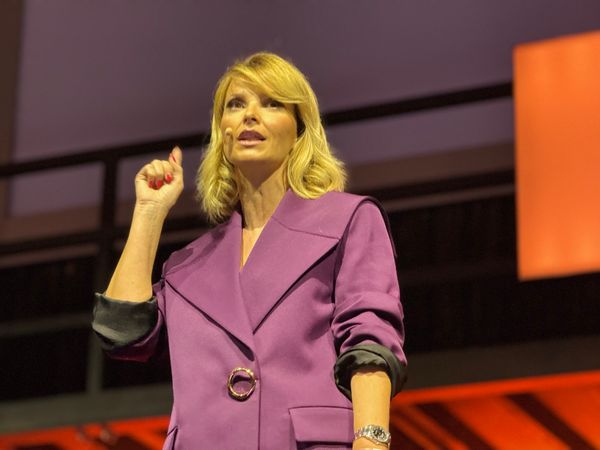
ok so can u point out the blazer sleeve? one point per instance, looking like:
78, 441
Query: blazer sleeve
367, 321
130, 330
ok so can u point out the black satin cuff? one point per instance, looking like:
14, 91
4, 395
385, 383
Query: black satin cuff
368, 355
119, 323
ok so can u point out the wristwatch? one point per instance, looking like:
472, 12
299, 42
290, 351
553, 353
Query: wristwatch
374, 433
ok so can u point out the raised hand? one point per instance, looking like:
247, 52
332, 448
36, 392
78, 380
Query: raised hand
159, 183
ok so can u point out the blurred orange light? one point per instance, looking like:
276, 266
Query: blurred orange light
557, 113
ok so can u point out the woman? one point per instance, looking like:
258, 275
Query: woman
283, 323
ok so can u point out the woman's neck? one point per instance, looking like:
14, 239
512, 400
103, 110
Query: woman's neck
259, 200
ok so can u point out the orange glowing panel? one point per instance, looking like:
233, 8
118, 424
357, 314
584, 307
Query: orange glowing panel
557, 113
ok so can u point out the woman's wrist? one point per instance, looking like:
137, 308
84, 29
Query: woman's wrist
363, 443
150, 211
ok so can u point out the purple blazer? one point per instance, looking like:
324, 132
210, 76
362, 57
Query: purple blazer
320, 280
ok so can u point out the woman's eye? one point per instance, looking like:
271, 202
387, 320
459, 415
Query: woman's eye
273, 103
234, 103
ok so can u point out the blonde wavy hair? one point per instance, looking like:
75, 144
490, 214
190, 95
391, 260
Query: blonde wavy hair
312, 169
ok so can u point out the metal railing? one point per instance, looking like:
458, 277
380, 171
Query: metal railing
104, 237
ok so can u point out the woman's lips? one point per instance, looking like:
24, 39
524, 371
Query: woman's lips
250, 138
250, 142
250, 135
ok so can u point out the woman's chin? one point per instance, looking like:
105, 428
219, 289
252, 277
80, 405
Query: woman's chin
257, 168
255, 159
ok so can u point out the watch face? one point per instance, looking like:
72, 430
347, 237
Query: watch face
380, 434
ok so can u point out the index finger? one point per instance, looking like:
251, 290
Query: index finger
176, 158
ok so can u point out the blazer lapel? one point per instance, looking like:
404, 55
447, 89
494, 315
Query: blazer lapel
279, 258
209, 279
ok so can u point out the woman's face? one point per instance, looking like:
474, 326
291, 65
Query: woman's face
258, 131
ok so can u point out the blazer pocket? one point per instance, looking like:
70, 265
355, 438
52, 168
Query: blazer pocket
170, 440
326, 424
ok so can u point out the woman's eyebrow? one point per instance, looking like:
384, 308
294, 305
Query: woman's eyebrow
239, 95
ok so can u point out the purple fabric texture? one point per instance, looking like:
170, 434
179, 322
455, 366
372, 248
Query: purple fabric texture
320, 279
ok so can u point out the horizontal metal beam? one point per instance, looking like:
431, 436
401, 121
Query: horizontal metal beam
451, 190
416, 104
331, 118
101, 155
94, 237
77, 409
527, 359
42, 325
448, 198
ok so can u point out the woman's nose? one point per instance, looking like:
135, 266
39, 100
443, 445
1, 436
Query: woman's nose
251, 113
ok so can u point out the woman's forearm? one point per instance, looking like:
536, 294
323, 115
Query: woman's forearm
132, 278
371, 391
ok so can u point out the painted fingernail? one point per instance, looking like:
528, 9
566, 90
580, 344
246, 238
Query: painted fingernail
159, 184
168, 177
150, 183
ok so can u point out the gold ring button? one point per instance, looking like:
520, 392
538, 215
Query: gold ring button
230, 381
